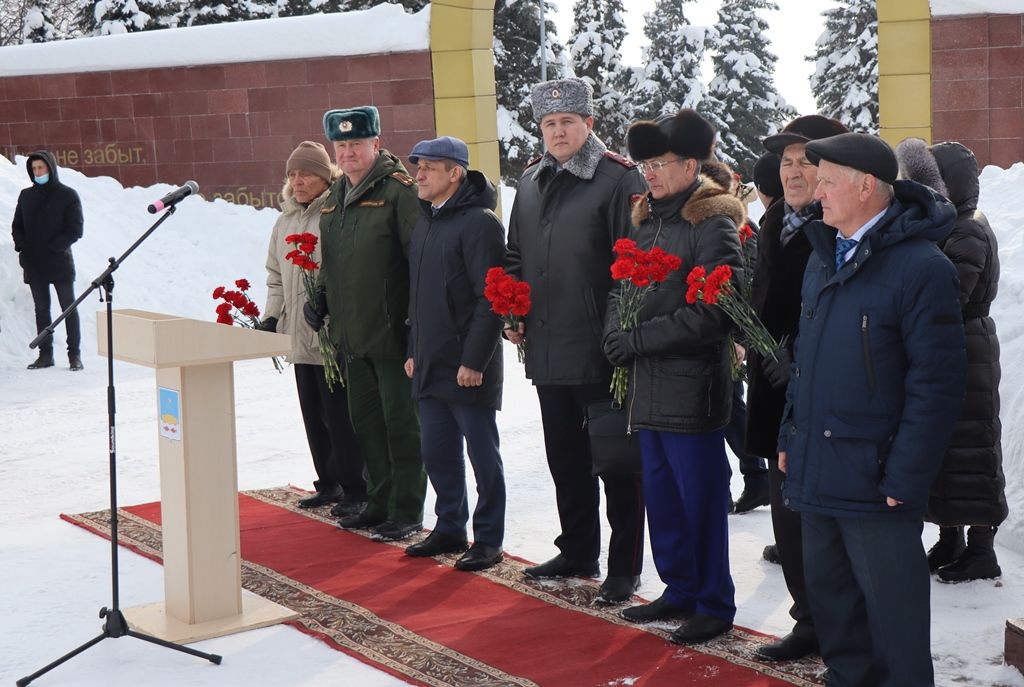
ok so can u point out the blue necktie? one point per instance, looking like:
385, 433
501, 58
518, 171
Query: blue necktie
843, 246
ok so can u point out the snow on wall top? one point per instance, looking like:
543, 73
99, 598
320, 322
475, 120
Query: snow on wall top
380, 29
953, 7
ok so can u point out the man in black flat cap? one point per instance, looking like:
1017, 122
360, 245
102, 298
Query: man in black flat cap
782, 252
875, 389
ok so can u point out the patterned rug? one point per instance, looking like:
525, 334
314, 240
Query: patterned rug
423, 622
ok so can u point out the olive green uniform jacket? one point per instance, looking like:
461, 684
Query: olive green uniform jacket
365, 272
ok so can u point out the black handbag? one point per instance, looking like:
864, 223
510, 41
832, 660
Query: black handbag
612, 450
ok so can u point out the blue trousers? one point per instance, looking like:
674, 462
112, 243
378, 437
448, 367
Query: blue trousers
443, 428
686, 488
869, 593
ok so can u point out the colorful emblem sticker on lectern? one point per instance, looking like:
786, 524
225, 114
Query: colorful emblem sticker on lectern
170, 413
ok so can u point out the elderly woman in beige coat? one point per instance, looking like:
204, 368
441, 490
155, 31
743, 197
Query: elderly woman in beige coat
339, 467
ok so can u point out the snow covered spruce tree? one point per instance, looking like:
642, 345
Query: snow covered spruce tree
202, 12
106, 17
516, 70
37, 26
409, 5
670, 78
742, 94
845, 81
598, 31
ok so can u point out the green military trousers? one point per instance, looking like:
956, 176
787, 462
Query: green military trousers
387, 430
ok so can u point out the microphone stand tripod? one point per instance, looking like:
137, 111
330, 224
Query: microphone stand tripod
115, 625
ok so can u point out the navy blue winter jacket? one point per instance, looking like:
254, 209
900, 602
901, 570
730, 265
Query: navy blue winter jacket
880, 366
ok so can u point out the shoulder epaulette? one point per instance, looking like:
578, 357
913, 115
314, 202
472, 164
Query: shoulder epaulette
628, 164
402, 178
534, 161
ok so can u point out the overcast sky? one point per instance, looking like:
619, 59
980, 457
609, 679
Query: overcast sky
792, 31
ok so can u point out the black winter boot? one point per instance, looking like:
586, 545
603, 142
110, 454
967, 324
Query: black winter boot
950, 546
978, 561
45, 359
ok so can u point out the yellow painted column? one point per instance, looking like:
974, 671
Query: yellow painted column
904, 69
465, 101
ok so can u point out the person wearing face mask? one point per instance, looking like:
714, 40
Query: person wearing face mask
47, 221
332, 443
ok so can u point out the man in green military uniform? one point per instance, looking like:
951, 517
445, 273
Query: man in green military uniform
365, 227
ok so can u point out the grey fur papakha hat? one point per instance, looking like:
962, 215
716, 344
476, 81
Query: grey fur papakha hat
562, 95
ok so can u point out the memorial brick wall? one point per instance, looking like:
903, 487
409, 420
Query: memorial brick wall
230, 127
977, 85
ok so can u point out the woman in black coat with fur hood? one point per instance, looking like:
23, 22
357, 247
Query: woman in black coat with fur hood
970, 488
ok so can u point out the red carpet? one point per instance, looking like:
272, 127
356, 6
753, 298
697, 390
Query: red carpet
425, 622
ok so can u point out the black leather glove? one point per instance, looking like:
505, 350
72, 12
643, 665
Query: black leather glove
315, 314
269, 324
617, 349
776, 370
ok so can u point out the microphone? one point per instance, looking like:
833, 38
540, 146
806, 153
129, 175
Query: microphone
174, 197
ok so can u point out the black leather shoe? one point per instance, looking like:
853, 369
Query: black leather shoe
771, 554
753, 496
348, 505
360, 521
789, 648
437, 543
618, 588
44, 360
75, 362
321, 498
560, 566
700, 628
479, 557
659, 609
390, 530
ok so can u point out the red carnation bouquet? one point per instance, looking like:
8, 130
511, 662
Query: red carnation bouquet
509, 298
717, 289
638, 273
237, 308
302, 257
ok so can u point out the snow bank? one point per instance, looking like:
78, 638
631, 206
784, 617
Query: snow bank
383, 28
1002, 203
953, 7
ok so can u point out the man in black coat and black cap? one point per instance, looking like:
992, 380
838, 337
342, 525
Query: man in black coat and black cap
782, 252
47, 220
875, 389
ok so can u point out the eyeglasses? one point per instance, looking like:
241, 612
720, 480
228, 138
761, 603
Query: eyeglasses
651, 167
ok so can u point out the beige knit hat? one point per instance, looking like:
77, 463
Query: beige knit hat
310, 157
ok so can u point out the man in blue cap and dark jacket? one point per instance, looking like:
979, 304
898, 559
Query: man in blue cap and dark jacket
874, 391
455, 349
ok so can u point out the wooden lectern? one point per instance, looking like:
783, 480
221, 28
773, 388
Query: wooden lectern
203, 595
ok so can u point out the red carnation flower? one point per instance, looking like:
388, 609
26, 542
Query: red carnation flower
243, 284
745, 233
250, 310
224, 309
307, 248
218, 292
293, 238
225, 319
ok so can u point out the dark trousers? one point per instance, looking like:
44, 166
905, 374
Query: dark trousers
787, 528
868, 586
388, 433
562, 410
752, 467
686, 488
65, 296
332, 441
444, 427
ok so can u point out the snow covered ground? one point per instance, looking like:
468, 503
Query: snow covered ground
53, 459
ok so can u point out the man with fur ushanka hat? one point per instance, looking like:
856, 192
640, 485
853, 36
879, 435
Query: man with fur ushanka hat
680, 386
366, 224
571, 206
